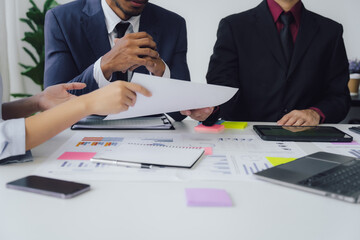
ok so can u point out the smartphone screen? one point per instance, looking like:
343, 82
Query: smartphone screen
49, 186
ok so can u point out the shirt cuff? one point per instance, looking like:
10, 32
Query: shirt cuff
322, 116
12, 137
167, 73
99, 75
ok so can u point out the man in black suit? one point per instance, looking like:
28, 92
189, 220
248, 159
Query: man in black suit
289, 64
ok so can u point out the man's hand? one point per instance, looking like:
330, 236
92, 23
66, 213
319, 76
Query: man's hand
198, 114
57, 94
307, 117
131, 51
156, 66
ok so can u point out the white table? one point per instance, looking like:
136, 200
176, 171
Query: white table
157, 210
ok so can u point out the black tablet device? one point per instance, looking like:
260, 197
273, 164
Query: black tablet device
301, 134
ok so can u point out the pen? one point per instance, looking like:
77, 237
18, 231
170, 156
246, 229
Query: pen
121, 163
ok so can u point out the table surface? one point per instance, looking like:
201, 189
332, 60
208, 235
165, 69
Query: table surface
157, 209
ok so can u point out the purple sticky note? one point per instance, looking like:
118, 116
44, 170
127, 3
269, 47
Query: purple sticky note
207, 197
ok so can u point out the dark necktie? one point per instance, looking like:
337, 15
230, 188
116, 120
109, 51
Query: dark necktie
286, 36
121, 29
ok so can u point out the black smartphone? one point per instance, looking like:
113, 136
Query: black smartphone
49, 186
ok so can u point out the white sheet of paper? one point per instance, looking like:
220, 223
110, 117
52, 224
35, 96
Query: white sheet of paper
169, 95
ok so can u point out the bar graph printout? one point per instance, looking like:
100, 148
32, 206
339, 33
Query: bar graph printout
237, 157
351, 149
227, 157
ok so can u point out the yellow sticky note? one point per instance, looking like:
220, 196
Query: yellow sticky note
279, 160
235, 125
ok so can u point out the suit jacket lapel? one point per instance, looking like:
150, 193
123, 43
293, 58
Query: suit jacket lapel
267, 29
307, 32
148, 24
94, 28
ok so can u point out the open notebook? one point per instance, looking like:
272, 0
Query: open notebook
154, 155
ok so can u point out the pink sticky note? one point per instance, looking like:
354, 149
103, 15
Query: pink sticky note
206, 197
208, 150
77, 155
212, 129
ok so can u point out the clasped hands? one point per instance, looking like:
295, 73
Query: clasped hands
130, 52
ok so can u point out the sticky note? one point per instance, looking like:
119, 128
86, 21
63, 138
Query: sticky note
235, 125
279, 160
211, 129
206, 197
77, 155
208, 150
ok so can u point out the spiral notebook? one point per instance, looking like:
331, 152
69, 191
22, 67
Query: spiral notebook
154, 155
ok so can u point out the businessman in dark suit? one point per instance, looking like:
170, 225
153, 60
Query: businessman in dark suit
99, 41
289, 64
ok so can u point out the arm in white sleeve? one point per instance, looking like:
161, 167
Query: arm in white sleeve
99, 75
12, 137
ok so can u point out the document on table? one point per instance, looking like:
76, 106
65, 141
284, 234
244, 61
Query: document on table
169, 95
351, 149
227, 157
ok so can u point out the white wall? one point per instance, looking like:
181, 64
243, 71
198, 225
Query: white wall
202, 18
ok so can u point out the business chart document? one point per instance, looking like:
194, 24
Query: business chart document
351, 149
169, 95
231, 157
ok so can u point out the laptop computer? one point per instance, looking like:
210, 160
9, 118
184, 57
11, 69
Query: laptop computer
323, 173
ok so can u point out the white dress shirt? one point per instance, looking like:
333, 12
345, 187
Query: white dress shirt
12, 134
111, 20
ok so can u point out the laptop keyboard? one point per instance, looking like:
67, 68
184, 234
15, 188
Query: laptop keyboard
344, 179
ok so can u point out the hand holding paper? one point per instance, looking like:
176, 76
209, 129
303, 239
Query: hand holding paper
198, 114
169, 95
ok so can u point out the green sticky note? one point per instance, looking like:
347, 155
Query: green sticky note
235, 125
279, 160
